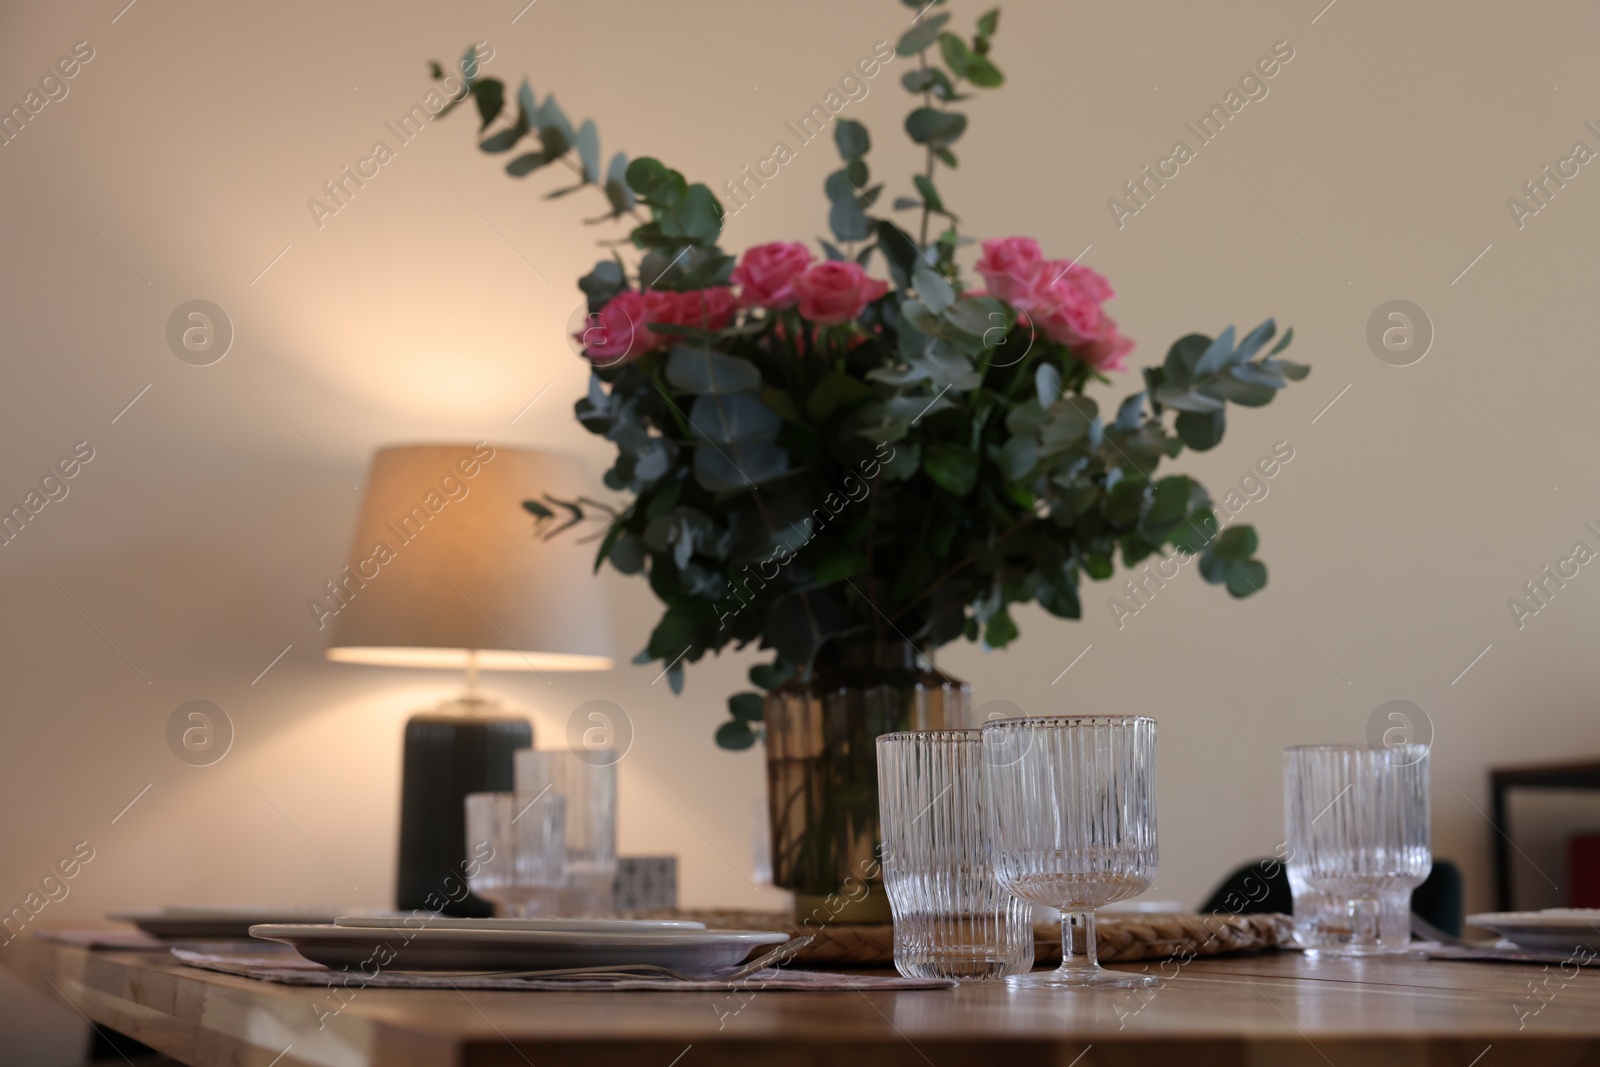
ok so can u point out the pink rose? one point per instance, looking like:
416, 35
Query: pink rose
767, 274
705, 309
1063, 312
616, 333
835, 292
1086, 280
1105, 352
1010, 266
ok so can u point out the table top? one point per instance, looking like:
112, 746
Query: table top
1278, 1008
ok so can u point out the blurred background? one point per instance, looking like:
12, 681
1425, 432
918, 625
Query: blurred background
1378, 166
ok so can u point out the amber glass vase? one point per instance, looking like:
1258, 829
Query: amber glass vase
822, 769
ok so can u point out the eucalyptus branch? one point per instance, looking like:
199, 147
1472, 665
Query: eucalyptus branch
633, 212
927, 101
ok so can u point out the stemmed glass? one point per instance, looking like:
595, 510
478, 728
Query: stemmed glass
517, 845
1072, 803
1357, 826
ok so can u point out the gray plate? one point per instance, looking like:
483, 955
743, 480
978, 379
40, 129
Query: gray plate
690, 951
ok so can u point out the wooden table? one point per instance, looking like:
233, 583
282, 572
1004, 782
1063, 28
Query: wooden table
1280, 1010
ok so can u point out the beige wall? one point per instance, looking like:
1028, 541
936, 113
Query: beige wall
1381, 162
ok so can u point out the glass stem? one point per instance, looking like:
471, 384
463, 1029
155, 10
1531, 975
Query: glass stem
1085, 961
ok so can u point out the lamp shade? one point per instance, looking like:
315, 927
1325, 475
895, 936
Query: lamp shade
445, 564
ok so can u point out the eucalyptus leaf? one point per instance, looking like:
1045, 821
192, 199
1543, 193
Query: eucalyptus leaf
504, 141
1247, 577
1283, 342
983, 317
770, 675
588, 142
704, 371
1254, 340
730, 468
735, 736
729, 418
847, 221
1182, 357
930, 126
1201, 431
1235, 543
617, 190
747, 707
1293, 371
526, 164
1217, 355
921, 35
983, 73
1018, 457
1047, 383
852, 138
1258, 374
1130, 414
490, 94
933, 290
1186, 400
930, 195
555, 132
1068, 420
1249, 394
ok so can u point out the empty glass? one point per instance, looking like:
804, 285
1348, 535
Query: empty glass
951, 918
1073, 810
1357, 825
517, 852
1322, 921
589, 785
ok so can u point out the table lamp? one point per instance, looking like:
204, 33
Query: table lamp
445, 572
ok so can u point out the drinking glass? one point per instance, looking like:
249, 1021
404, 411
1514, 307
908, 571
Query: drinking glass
588, 782
1357, 826
1322, 921
1072, 804
517, 852
951, 918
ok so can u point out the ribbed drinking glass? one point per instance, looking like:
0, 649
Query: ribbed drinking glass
1356, 821
587, 778
951, 918
518, 850
1073, 809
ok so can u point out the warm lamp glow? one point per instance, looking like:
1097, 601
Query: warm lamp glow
486, 659
445, 570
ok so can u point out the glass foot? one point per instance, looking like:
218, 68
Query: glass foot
1082, 978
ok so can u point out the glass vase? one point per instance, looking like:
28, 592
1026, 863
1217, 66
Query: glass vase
822, 770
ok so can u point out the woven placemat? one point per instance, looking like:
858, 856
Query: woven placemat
1121, 938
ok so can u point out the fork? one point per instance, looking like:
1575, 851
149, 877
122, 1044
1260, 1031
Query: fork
778, 956
1425, 930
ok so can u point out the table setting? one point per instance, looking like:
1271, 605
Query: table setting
843, 575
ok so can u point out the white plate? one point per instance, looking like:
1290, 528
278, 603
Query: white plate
575, 926
691, 951
1551, 930
207, 921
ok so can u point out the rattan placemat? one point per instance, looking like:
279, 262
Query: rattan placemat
1122, 938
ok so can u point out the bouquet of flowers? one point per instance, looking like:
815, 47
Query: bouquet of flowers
812, 455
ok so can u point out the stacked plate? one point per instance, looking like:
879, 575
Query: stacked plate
1552, 930
428, 943
193, 922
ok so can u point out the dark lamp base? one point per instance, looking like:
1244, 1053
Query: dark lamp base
447, 757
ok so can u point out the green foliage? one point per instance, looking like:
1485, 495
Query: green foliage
917, 472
